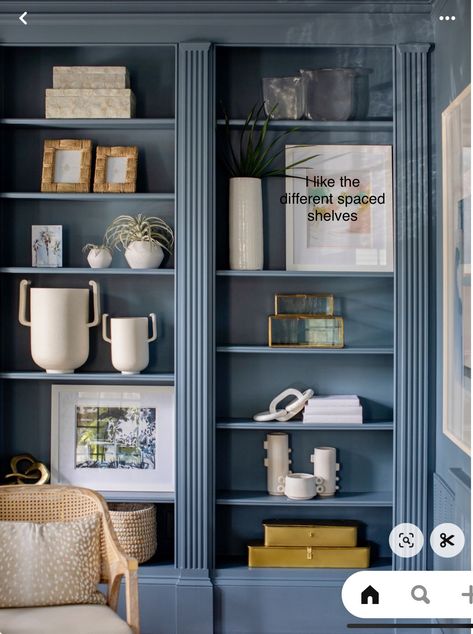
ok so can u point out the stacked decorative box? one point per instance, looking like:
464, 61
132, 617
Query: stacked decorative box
90, 92
309, 545
333, 409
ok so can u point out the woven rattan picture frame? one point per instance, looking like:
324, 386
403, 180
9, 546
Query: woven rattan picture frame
115, 169
67, 165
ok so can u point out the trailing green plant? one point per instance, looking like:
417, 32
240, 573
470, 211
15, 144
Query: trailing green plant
140, 228
92, 247
254, 154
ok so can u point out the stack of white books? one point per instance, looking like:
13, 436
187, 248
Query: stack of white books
339, 408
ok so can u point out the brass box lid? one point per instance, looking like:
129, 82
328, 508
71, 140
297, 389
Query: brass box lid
322, 534
260, 556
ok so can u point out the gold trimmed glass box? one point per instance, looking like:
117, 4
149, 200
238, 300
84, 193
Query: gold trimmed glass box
306, 331
303, 304
305, 533
260, 556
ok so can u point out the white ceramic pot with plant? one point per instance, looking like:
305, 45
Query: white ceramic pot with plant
129, 339
99, 256
247, 161
59, 325
144, 239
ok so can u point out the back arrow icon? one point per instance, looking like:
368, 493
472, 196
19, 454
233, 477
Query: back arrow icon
22, 17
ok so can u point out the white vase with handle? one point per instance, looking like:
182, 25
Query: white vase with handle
277, 461
325, 470
59, 325
130, 341
246, 224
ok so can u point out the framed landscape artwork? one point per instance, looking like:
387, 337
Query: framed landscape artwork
456, 175
339, 211
113, 438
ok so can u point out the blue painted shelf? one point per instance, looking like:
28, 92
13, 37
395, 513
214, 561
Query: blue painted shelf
28, 270
259, 498
92, 124
236, 572
311, 274
85, 196
248, 424
297, 350
158, 573
108, 377
320, 126
154, 497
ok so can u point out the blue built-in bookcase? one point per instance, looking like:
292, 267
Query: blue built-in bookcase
184, 60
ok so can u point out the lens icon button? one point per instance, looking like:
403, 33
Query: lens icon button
406, 540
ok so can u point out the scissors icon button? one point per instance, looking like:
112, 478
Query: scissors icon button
447, 540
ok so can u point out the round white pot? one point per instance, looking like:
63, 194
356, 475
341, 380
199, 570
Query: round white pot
129, 339
99, 258
246, 224
144, 255
59, 324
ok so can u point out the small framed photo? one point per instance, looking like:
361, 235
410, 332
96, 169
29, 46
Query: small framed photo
339, 210
115, 169
113, 438
46, 245
67, 165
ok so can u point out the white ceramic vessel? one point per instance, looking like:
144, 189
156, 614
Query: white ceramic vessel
325, 470
59, 325
142, 254
99, 258
300, 486
277, 461
130, 342
246, 224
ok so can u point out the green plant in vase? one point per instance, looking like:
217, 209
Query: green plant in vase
99, 256
248, 159
144, 239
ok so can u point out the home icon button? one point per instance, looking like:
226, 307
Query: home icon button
370, 595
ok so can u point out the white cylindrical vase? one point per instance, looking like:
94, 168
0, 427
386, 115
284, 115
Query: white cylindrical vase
130, 341
59, 325
246, 224
277, 461
325, 470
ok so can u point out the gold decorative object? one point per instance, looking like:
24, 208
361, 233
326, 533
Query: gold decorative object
260, 556
307, 331
303, 304
66, 165
327, 534
27, 470
115, 169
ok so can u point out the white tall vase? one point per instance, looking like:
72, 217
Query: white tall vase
59, 324
325, 470
246, 224
130, 342
277, 461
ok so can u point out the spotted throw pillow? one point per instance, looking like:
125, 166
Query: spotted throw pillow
57, 563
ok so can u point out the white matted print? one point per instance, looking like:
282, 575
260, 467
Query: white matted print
113, 438
339, 211
46, 245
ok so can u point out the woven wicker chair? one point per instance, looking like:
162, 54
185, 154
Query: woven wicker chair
56, 503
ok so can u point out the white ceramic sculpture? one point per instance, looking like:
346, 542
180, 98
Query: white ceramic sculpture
130, 342
59, 324
300, 486
142, 254
246, 224
290, 410
277, 461
325, 470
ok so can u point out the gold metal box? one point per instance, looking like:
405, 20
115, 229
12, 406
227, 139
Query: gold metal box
310, 534
260, 556
307, 331
303, 304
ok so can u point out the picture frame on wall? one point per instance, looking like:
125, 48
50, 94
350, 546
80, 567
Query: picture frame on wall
456, 229
116, 169
46, 246
113, 438
339, 208
67, 165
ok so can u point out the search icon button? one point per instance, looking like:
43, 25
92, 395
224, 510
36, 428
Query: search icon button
419, 593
